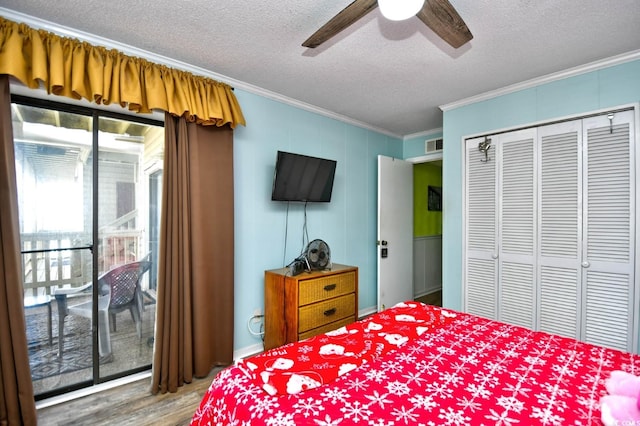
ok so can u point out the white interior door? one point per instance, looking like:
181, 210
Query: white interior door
395, 231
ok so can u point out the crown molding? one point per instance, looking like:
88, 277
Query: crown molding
422, 134
38, 23
571, 72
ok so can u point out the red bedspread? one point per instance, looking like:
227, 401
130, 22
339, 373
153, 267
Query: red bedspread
464, 370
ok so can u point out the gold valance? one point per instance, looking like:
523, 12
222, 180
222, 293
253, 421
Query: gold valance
76, 69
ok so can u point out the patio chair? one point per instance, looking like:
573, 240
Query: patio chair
118, 290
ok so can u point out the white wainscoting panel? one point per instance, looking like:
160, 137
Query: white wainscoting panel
427, 265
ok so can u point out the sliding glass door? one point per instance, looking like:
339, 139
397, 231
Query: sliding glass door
88, 244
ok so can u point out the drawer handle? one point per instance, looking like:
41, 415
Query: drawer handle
329, 287
329, 312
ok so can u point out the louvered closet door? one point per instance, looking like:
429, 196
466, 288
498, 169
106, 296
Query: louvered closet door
559, 227
480, 233
609, 226
516, 227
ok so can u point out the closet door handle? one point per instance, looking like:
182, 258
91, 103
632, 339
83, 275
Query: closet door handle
494, 256
585, 264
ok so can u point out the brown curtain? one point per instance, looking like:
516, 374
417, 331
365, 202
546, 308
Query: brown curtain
76, 69
194, 324
17, 405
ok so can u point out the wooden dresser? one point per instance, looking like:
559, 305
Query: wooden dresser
309, 303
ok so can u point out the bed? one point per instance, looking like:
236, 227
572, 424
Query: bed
417, 364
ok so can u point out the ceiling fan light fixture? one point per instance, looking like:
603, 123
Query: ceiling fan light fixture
399, 10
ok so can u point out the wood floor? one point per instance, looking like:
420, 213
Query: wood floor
432, 298
130, 404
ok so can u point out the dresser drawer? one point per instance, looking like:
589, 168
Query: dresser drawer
325, 328
323, 313
317, 289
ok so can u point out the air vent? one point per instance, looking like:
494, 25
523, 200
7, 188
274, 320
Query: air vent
432, 145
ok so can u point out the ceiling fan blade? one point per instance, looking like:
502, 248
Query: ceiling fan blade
342, 20
442, 18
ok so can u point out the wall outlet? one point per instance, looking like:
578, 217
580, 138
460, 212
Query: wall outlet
257, 312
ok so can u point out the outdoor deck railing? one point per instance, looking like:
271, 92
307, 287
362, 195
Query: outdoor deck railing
45, 267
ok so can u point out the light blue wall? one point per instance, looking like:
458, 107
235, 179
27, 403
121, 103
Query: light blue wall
414, 146
347, 223
605, 88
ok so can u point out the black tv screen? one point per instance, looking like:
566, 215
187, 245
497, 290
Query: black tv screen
303, 178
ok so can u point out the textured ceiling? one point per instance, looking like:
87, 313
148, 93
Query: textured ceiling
391, 76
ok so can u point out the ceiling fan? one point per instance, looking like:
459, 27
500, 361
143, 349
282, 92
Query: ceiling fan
439, 15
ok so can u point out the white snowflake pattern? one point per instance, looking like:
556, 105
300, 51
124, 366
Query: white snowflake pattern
405, 416
415, 349
588, 402
377, 376
451, 378
244, 394
304, 358
414, 378
426, 342
233, 382
309, 407
495, 367
281, 419
262, 406
379, 422
434, 357
426, 367
356, 411
486, 379
423, 401
378, 399
525, 370
335, 394
483, 348
406, 357
392, 366
440, 389
398, 388
469, 404
478, 391
511, 352
510, 403
446, 351
328, 422
534, 360
500, 419
357, 384
305, 349
546, 416
452, 417
517, 389
469, 359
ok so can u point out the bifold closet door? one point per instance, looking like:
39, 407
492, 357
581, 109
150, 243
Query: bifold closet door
608, 250
517, 227
500, 229
481, 271
560, 228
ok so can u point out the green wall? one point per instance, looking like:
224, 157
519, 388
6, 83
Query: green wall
426, 222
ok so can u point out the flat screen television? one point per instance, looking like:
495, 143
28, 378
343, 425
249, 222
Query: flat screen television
303, 178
